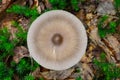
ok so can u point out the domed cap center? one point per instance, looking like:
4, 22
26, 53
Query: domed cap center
57, 39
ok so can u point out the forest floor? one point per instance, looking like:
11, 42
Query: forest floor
101, 19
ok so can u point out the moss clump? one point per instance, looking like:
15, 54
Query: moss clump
65, 4
6, 45
104, 30
106, 70
29, 77
24, 10
24, 67
5, 72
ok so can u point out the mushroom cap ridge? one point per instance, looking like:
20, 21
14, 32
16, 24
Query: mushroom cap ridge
39, 49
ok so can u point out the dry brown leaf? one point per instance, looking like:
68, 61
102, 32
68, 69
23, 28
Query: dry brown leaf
94, 37
94, 34
42, 6
106, 7
117, 35
70, 79
81, 14
37, 73
35, 3
8, 25
75, 75
24, 22
20, 52
113, 42
59, 75
5, 1
115, 45
13, 30
86, 59
87, 73
118, 28
47, 4
89, 16
16, 77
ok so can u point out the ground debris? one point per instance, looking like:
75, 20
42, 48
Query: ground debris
4, 5
87, 73
20, 52
106, 8
89, 13
59, 75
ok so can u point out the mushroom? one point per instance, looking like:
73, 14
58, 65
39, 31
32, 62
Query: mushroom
57, 40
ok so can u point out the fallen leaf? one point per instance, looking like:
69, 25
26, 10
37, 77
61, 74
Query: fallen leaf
87, 72
20, 52
60, 75
106, 7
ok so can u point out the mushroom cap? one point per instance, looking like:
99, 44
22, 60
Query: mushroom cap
57, 40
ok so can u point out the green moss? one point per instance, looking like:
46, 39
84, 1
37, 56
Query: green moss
21, 34
59, 4
6, 45
78, 78
24, 67
41, 78
117, 4
29, 77
106, 70
24, 10
64, 4
5, 72
74, 4
104, 30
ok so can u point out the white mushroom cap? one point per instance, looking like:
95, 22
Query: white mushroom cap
57, 40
